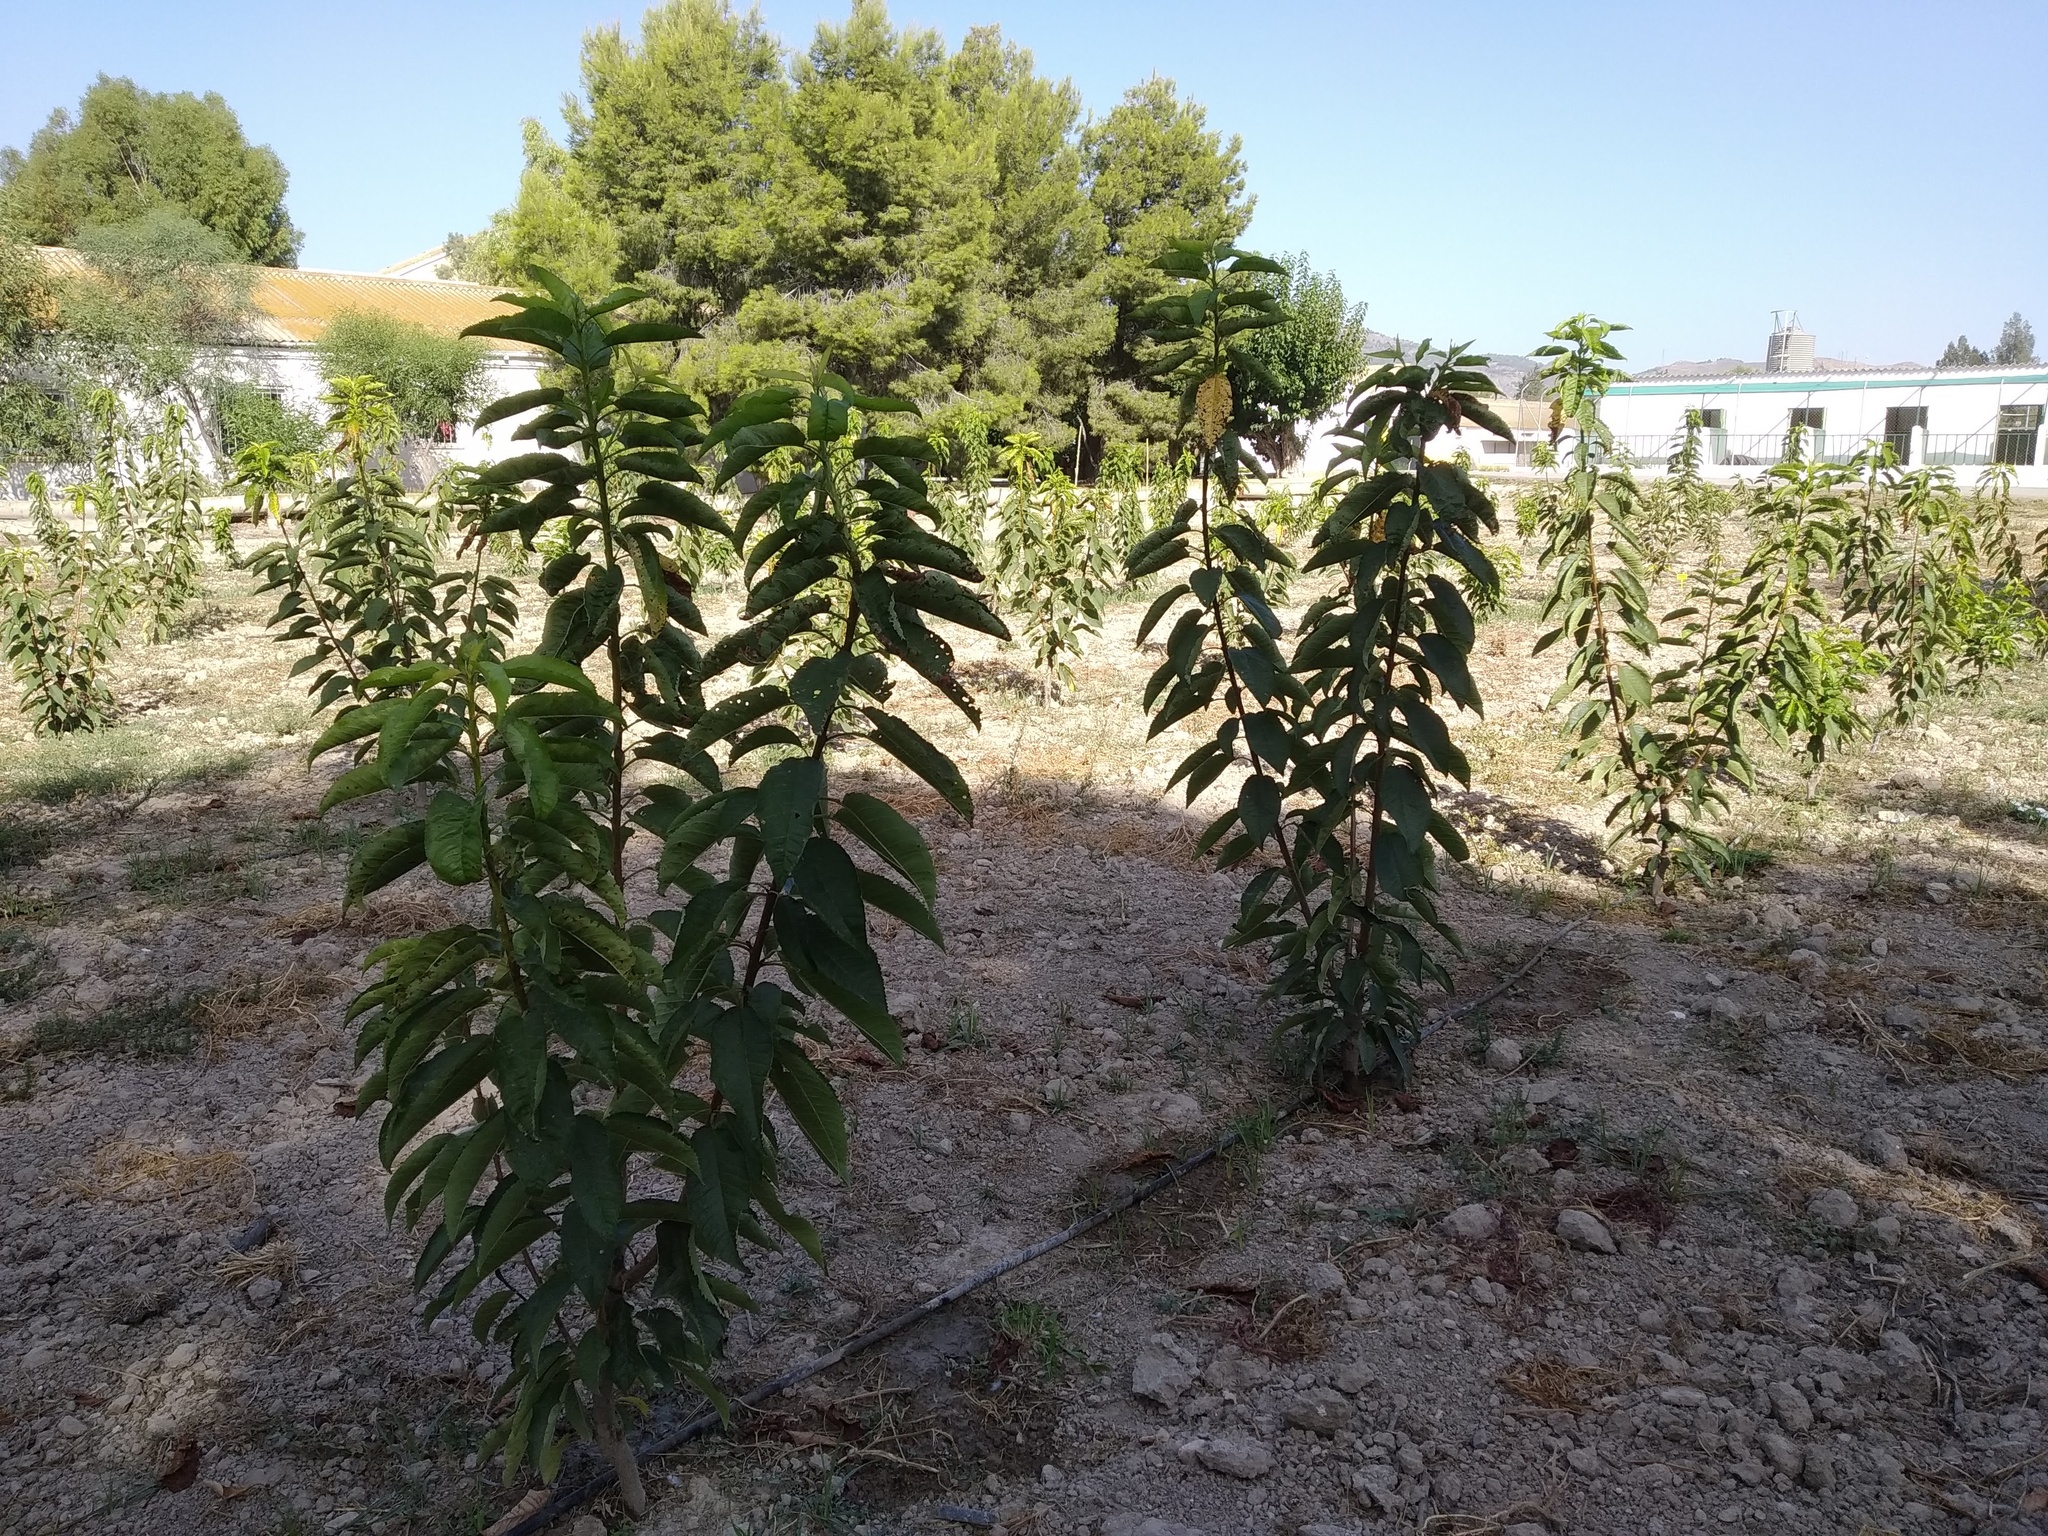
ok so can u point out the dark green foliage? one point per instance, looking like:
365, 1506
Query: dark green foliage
943, 224
130, 152
1304, 366
246, 415
2015, 343
1345, 738
567, 1016
1960, 354
431, 379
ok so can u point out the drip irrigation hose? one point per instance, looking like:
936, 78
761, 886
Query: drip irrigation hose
696, 1429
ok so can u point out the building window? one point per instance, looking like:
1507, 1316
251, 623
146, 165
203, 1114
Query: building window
1899, 422
2019, 434
1498, 445
1811, 417
1713, 421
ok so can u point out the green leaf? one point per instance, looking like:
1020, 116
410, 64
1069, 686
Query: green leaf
921, 758
1258, 807
816, 686
363, 779
847, 976
785, 808
549, 669
455, 838
881, 892
899, 844
641, 331
1403, 797
829, 884
391, 853
515, 405
811, 1103
597, 1188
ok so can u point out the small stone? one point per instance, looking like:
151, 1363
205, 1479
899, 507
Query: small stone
1880, 946
1319, 1409
1526, 1159
1819, 1471
263, 1291
1582, 1229
41, 1358
1353, 1377
1057, 1091
327, 1379
920, 1205
1526, 1528
1834, 1208
70, 1426
1246, 1459
587, 1525
1784, 1455
1885, 1150
1158, 1377
1583, 1460
1938, 892
181, 1357
1790, 1407
1235, 1371
1885, 1233
1481, 1290
1682, 1397
1470, 1224
1503, 1055
1323, 1279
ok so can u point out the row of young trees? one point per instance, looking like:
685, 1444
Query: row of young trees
1865, 594
129, 551
633, 1051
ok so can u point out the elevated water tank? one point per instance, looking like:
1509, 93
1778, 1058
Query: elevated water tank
1790, 350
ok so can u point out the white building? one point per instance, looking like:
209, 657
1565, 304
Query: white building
291, 308
1962, 418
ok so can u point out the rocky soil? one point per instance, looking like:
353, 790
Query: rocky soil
1729, 1218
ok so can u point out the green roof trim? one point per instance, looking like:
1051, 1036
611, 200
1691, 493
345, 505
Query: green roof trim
1786, 384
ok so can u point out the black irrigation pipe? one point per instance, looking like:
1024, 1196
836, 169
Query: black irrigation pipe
697, 1428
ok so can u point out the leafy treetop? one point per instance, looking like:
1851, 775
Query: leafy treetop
131, 151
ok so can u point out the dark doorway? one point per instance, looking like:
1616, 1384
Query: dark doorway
1899, 422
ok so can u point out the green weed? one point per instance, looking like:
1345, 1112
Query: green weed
163, 1027
1035, 1332
964, 1029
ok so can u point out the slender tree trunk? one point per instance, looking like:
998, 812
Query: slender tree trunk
611, 1439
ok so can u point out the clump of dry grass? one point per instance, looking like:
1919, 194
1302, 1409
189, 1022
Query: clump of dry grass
393, 915
278, 1258
134, 1173
250, 1003
1553, 1384
2008, 1060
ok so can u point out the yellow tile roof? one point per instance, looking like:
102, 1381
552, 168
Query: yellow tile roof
296, 304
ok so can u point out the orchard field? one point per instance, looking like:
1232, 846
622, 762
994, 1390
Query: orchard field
1726, 1214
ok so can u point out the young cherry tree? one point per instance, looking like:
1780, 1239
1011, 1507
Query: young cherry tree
619, 1054
1344, 740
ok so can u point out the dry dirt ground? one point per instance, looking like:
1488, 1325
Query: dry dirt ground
1728, 1220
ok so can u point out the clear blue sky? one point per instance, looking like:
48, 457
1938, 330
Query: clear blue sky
1682, 168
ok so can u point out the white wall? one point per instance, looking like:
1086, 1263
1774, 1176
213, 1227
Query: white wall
1962, 416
